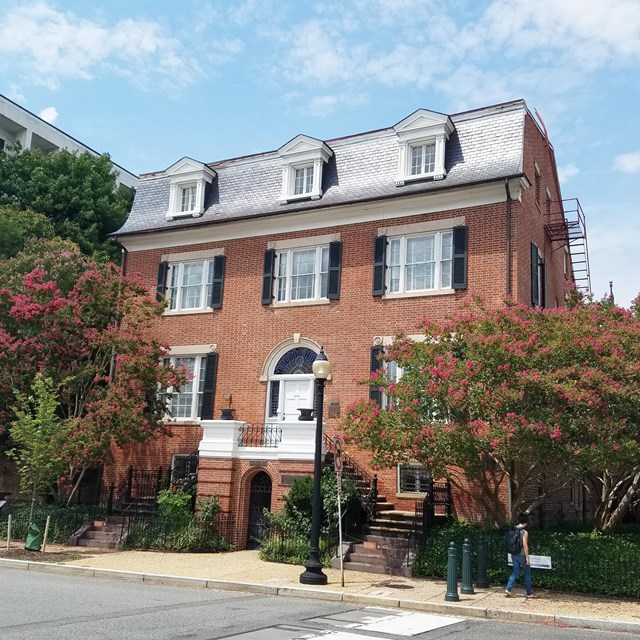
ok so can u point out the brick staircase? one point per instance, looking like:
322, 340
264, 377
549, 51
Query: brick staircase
387, 548
100, 534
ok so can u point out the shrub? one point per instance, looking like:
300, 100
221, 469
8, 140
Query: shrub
583, 561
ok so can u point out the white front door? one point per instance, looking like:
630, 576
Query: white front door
297, 393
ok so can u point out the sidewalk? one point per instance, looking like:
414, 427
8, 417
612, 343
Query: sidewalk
244, 571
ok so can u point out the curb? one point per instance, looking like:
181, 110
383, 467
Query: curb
469, 611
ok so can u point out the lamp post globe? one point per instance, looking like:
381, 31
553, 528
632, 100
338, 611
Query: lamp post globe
313, 573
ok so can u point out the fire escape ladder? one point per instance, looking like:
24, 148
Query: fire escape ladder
565, 224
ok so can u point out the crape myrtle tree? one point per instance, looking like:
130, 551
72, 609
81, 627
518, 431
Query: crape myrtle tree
77, 192
86, 330
516, 395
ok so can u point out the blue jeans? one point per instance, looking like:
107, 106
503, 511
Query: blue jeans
518, 562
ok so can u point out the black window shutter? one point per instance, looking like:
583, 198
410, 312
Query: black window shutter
374, 390
209, 391
379, 265
535, 289
543, 284
459, 272
218, 283
335, 266
267, 276
161, 285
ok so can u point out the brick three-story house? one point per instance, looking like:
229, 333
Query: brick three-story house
339, 244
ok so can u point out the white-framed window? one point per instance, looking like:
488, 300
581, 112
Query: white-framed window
394, 374
303, 159
423, 158
420, 262
302, 274
303, 180
185, 403
422, 139
189, 285
413, 477
187, 185
188, 198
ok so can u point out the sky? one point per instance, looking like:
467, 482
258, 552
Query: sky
150, 81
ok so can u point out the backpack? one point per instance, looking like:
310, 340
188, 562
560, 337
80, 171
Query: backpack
513, 541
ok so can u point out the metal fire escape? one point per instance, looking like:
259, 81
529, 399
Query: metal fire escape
565, 225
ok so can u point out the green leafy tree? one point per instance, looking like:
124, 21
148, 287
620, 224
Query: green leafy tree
18, 227
77, 192
89, 330
39, 437
519, 396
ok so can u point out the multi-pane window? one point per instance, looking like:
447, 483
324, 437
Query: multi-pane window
420, 263
188, 198
190, 285
394, 374
423, 159
413, 478
303, 180
302, 274
186, 402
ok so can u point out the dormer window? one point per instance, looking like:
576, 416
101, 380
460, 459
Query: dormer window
303, 160
303, 180
188, 180
188, 199
423, 159
422, 138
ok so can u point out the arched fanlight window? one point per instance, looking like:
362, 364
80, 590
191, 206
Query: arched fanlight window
296, 361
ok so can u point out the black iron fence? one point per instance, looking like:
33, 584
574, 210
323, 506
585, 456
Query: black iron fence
145, 531
581, 561
63, 523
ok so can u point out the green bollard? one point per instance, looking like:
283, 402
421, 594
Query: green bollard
467, 577
482, 579
452, 575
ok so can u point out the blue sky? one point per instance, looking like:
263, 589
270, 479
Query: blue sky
152, 80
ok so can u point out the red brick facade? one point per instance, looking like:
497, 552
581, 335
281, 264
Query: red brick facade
245, 332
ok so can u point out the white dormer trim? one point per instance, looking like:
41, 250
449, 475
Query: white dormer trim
301, 153
422, 128
187, 174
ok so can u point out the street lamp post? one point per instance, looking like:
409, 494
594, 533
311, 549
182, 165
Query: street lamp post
313, 573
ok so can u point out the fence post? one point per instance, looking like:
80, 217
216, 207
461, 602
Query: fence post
110, 499
467, 579
452, 575
482, 579
129, 483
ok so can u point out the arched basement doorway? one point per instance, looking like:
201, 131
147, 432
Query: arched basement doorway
259, 499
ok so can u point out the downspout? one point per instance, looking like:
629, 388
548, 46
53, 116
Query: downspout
507, 270
123, 266
508, 241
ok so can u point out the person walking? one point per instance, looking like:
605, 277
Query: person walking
520, 556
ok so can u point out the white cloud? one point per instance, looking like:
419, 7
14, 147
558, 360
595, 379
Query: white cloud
628, 162
54, 46
567, 171
49, 114
327, 104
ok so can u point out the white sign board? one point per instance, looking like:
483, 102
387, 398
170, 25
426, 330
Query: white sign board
535, 562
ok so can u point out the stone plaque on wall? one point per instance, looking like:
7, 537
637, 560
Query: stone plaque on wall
334, 408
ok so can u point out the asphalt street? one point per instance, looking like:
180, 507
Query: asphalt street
38, 605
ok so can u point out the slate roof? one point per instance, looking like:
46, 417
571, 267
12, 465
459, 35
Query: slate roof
486, 145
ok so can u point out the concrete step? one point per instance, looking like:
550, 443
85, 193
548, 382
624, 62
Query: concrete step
97, 544
372, 568
385, 539
102, 535
396, 514
375, 550
377, 560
